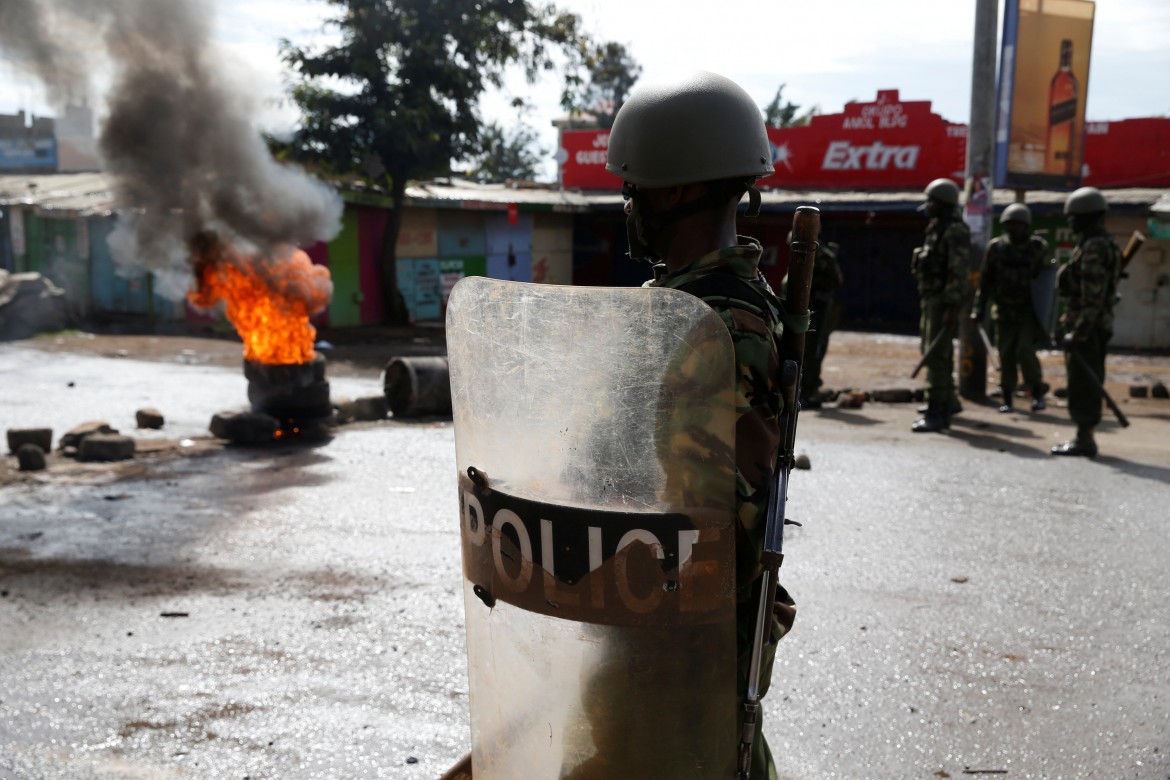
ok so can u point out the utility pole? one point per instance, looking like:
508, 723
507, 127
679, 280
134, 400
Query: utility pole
978, 210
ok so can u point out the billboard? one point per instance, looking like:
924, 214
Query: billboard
886, 143
1044, 77
25, 154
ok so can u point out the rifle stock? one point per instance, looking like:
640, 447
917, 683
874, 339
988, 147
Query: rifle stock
806, 226
1131, 248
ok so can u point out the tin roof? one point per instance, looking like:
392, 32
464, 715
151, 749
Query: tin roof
76, 193
92, 193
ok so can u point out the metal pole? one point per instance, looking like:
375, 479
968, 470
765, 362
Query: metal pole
978, 210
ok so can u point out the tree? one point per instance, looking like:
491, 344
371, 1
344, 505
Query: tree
507, 153
612, 75
781, 113
397, 98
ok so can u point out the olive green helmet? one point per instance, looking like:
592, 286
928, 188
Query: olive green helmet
1086, 200
944, 191
703, 127
1017, 212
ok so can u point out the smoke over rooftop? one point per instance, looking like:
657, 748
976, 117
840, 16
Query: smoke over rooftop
178, 135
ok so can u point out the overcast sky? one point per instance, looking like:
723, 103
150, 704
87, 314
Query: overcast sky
827, 52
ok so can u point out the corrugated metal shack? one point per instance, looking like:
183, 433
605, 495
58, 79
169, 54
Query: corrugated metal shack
59, 224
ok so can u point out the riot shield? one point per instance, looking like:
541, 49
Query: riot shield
594, 438
1044, 298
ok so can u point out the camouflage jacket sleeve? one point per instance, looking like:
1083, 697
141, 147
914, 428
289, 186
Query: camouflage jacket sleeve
826, 270
1091, 287
757, 433
957, 238
987, 275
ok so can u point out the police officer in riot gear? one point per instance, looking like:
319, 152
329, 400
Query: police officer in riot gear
688, 152
1011, 263
940, 266
1087, 286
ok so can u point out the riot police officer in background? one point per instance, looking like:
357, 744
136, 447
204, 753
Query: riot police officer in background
827, 279
940, 265
1012, 261
1087, 288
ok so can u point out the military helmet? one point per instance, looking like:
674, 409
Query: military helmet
1017, 212
1086, 200
944, 191
703, 127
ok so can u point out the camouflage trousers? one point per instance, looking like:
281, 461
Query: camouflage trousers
816, 344
1016, 340
1084, 394
940, 365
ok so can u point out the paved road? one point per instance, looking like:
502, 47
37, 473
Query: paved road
967, 602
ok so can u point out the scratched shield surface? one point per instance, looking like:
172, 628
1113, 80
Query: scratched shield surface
594, 436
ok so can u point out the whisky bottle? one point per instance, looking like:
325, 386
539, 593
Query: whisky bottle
1060, 152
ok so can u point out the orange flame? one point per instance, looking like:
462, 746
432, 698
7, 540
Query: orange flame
268, 299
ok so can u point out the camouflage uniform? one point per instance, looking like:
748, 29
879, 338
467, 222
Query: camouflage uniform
1006, 285
1087, 286
940, 265
730, 282
825, 281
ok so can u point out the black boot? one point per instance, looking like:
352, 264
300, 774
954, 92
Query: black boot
1006, 406
1076, 447
954, 408
935, 419
1038, 404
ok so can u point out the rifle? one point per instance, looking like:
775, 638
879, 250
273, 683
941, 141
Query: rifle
806, 226
1084, 364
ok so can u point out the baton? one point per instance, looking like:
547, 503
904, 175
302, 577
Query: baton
987, 345
929, 351
1084, 364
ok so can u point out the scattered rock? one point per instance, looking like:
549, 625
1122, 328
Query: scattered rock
897, 395
1159, 391
74, 437
106, 447
42, 437
854, 399
370, 408
1139, 391
149, 418
959, 578
30, 457
244, 427
802, 462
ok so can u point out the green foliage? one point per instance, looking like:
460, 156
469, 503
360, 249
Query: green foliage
612, 75
398, 96
507, 153
781, 113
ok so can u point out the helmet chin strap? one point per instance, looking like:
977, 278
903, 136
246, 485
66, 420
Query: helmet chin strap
653, 223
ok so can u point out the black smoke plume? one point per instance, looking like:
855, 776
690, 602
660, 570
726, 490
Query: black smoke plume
178, 133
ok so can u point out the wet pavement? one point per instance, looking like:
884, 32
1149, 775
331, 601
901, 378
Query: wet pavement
968, 603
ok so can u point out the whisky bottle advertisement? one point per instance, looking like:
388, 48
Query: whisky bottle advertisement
1060, 149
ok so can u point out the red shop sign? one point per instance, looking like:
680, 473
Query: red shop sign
584, 165
884, 144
